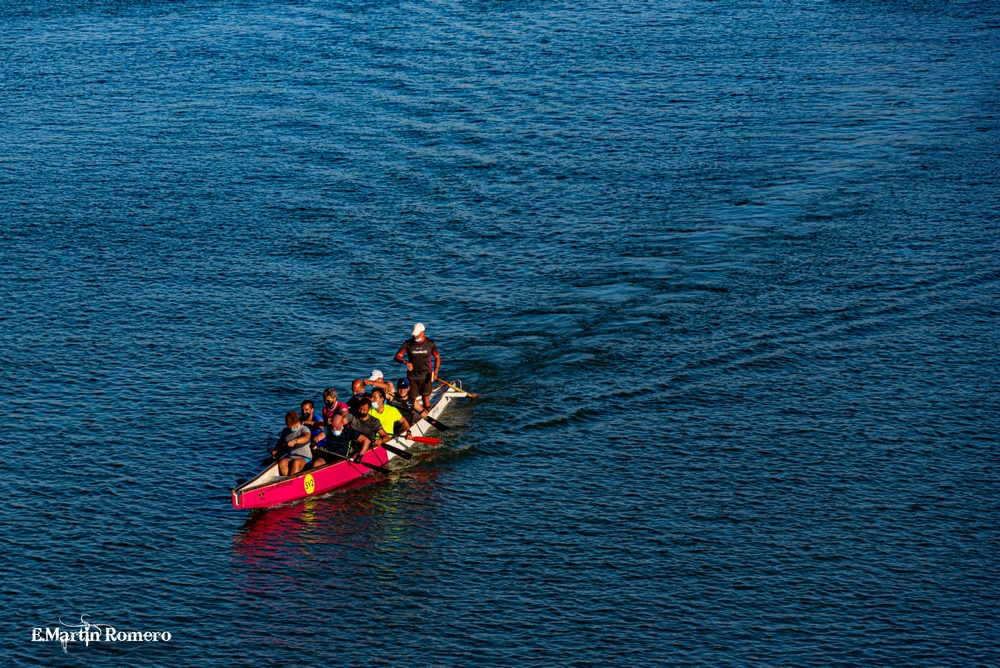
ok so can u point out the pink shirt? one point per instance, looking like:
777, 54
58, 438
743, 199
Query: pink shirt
337, 409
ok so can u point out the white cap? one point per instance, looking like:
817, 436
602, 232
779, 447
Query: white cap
417, 328
376, 375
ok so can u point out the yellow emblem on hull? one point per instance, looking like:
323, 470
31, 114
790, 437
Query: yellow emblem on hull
309, 483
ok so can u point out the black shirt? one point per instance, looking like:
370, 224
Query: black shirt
336, 443
418, 354
405, 406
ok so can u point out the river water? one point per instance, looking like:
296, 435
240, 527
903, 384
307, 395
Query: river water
725, 275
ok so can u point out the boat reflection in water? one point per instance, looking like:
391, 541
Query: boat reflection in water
324, 560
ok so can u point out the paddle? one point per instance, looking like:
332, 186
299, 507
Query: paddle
440, 426
402, 453
425, 439
374, 467
458, 389
434, 423
279, 447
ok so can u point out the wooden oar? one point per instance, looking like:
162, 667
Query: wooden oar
458, 389
374, 467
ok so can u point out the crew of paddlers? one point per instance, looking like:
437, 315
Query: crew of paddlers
368, 419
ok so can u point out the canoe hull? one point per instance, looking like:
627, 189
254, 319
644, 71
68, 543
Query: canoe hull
267, 489
314, 482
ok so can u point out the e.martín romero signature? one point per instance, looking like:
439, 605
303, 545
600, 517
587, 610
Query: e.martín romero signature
94, 632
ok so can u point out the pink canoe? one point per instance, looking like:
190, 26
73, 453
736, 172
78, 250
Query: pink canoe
269, 488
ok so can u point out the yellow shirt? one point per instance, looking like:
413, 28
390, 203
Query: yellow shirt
388, 417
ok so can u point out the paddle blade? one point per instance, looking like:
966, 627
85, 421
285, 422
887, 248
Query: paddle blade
426, 440
375, 467
401, 453
440, 426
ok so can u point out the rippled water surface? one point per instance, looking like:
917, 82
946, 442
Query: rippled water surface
725, 275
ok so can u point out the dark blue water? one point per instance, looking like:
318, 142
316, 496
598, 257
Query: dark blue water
725, 274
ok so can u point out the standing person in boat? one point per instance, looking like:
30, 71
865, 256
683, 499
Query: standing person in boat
295, 438
368, 431
389, 416
422, 364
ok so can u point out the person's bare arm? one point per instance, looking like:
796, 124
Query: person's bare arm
399, 358
383, 385
435, 365
299, 440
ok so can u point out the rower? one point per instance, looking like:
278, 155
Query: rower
379, 381
334, 413
331, 406
422, 364
314, 422
358, 388
368, 430
389, 416
295, 437
403, 401
338, 436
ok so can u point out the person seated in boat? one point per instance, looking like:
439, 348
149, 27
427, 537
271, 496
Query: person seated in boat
405, 403
379, 381
331, 406
358, 388
367, 431
337, 435
294, 439
392, 420
315, 424
338, 440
